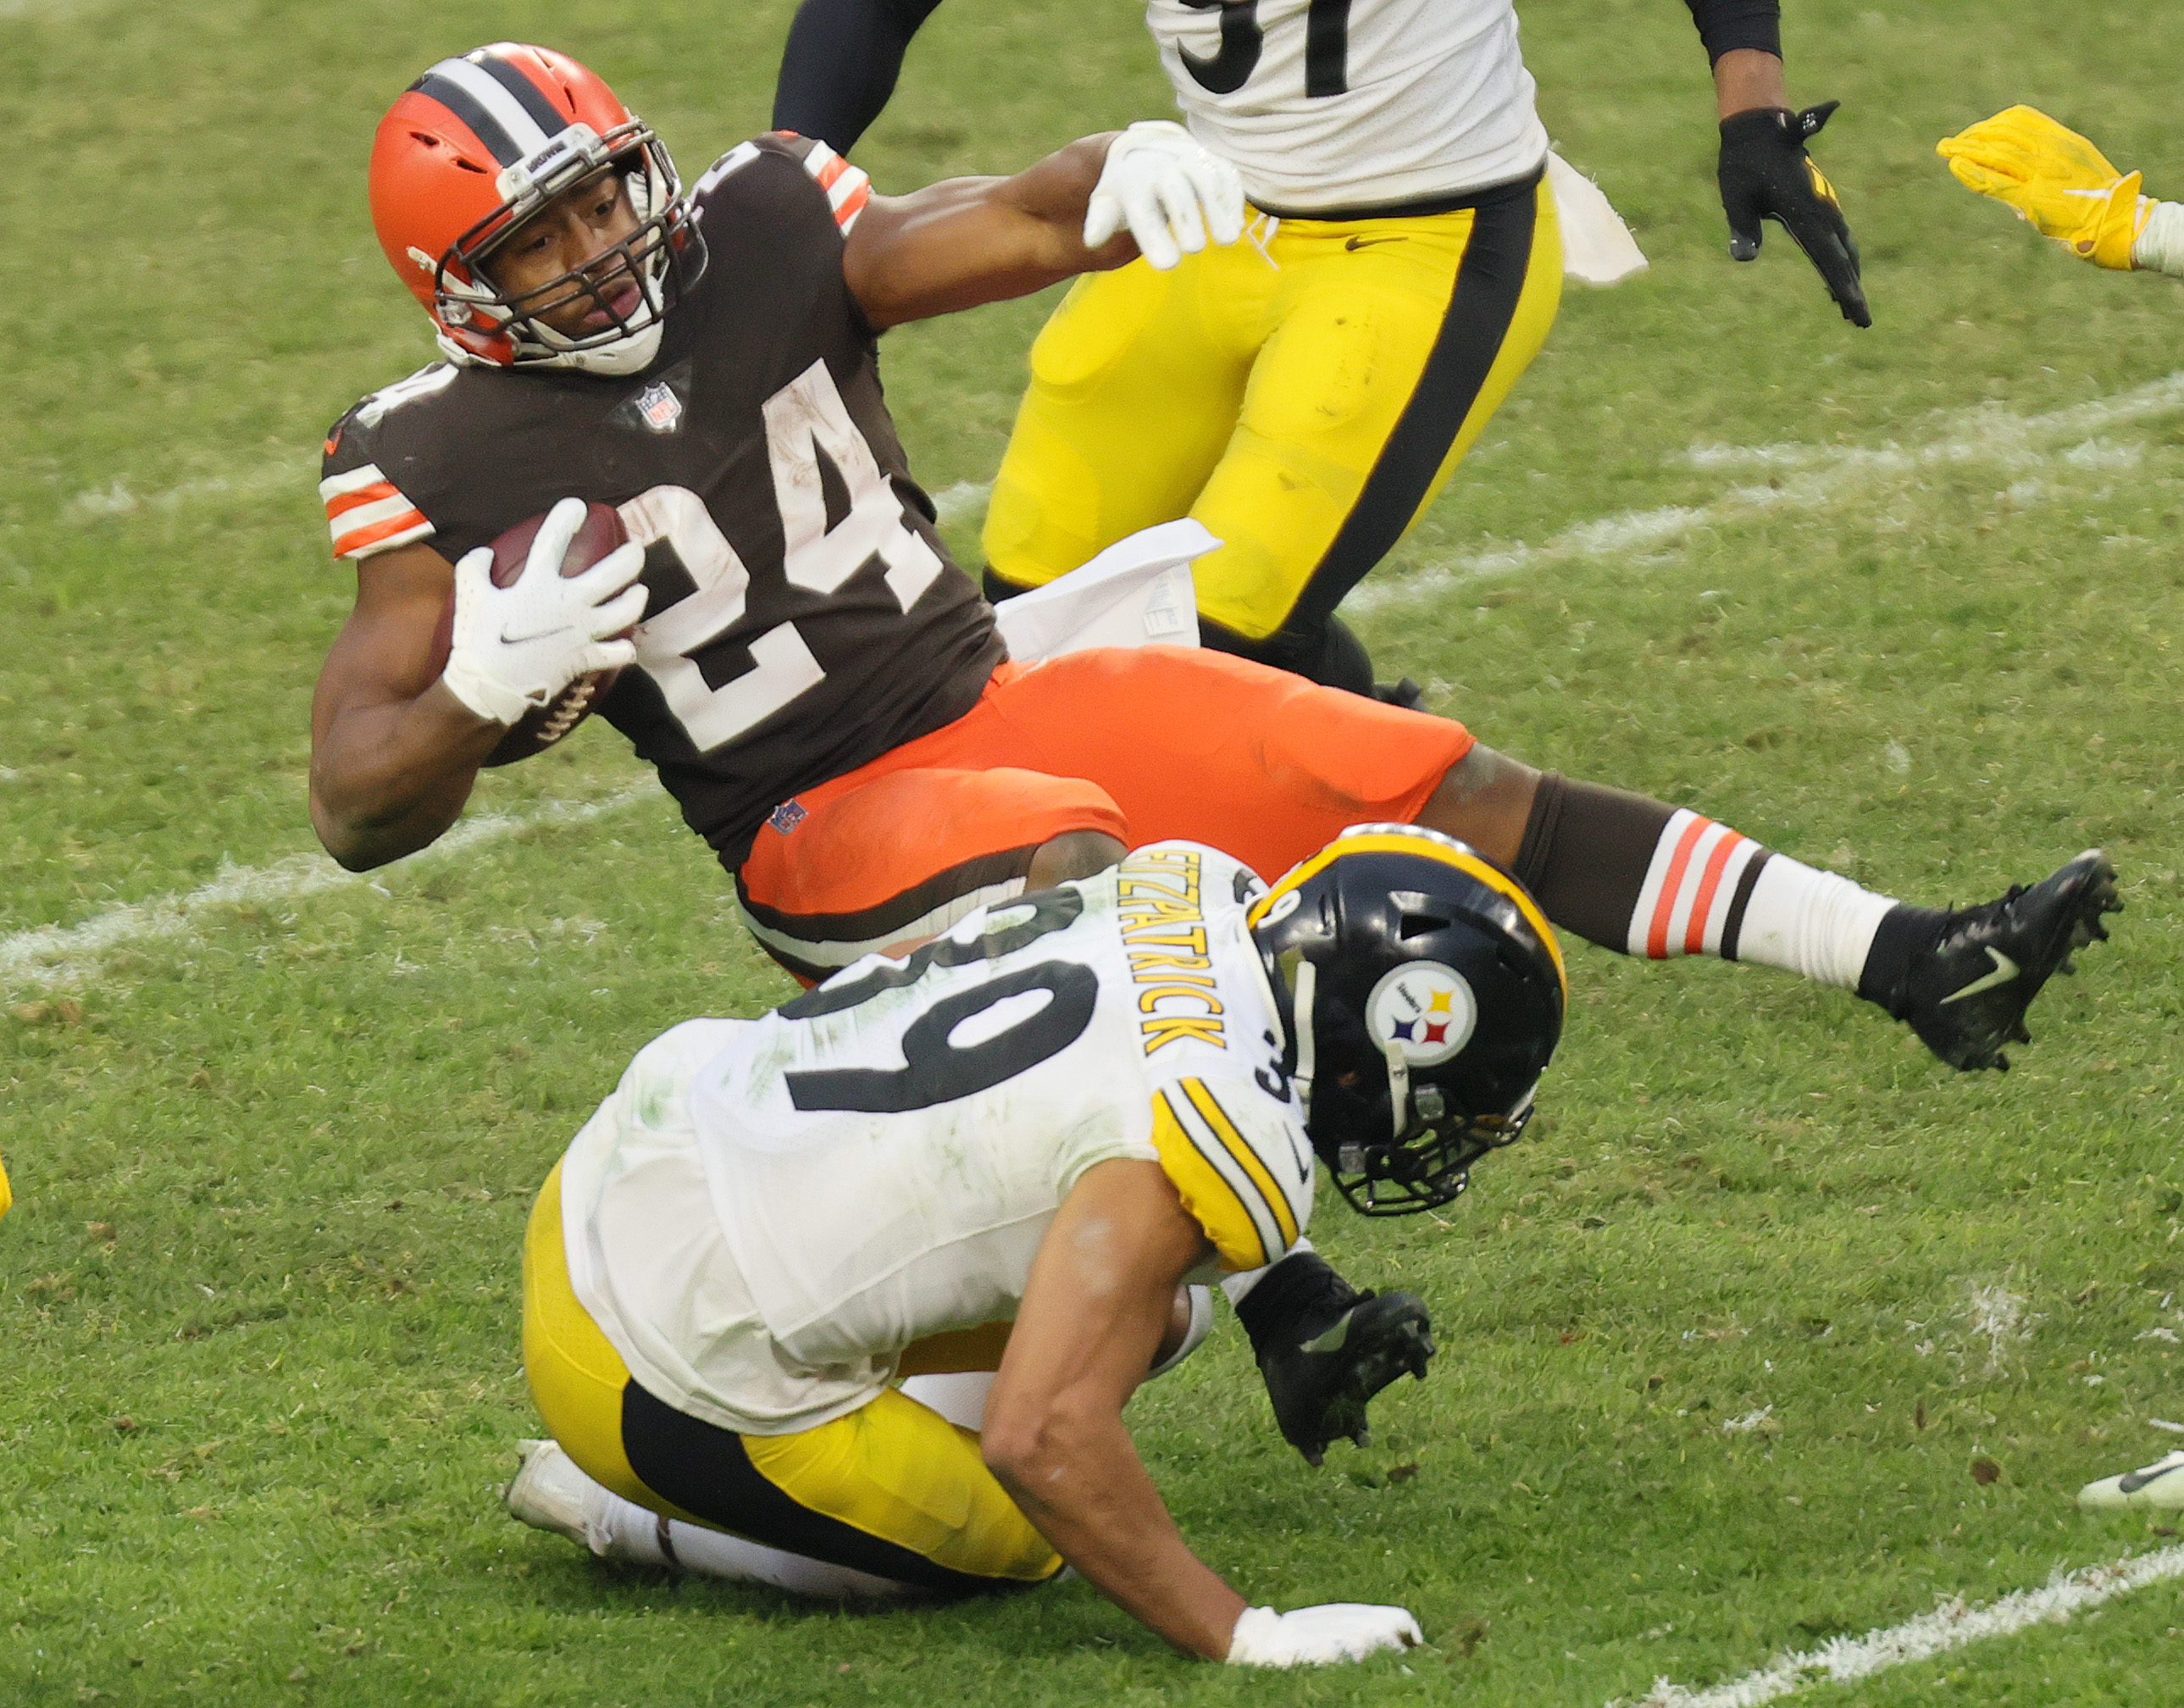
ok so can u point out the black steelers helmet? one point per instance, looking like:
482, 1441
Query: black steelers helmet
1423, 992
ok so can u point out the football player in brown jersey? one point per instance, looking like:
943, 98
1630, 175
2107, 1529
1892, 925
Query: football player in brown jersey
825, 694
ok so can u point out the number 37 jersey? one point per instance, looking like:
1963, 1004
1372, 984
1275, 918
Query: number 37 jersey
802, 615
767, 1212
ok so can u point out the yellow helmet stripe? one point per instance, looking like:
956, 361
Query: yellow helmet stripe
1395, 842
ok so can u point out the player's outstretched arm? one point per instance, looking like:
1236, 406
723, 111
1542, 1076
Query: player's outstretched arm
2066, 189
1764, 170
1098, 204
1101, 1290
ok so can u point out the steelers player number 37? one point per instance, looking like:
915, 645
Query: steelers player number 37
1243, 38
805, 418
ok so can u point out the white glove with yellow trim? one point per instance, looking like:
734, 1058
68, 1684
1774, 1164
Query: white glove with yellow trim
1319, 1636
1169, 190
2058, 181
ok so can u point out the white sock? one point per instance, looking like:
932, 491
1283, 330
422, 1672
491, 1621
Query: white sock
619, 1529
1813, 924
1238, 1288
1712, 890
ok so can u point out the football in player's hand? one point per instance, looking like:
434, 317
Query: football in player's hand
542, 726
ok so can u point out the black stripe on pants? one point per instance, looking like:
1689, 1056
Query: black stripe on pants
1489, 280
704, 1469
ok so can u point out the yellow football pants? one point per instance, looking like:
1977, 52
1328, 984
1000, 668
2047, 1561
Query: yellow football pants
893, 1489
1305, 404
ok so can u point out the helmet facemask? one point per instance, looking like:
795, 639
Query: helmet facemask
662, 257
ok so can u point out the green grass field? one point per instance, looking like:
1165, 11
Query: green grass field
273, 1149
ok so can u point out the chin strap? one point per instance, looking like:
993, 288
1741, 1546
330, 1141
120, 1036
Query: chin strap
1399, 1088
1307, 1050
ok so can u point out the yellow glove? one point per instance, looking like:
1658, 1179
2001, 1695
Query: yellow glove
2053, 178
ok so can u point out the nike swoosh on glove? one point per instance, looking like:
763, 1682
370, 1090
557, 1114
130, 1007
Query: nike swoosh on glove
1167, 190
516, 647
1765, 173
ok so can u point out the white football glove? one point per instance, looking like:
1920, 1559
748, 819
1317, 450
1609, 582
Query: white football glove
516, 647
1158, 181
1319, 1636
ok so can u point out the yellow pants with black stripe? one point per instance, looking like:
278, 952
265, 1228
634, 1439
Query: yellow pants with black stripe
893, 1489
1306, 403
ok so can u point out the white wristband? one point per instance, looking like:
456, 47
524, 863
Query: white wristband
2159, 248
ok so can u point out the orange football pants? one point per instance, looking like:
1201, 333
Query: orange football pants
1143, 744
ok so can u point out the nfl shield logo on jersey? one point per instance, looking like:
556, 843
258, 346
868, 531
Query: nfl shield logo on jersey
658, 408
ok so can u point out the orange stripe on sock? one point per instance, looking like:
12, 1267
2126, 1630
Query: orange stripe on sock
846, 215
1695, 935
1656, 935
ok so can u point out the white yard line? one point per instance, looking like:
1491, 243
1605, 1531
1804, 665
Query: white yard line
1954, 1625
53, 956
962, 501
1809, 476
119, 499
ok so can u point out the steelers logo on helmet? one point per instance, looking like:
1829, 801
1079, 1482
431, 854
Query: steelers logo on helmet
1427, 1009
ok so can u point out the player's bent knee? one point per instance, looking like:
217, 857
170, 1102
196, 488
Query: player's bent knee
1485, 799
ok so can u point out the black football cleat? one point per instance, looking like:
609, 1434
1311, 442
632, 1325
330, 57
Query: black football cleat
1320, 1382
1966, 996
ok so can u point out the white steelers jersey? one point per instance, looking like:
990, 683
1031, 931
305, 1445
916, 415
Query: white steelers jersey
1325, 105
766, 1213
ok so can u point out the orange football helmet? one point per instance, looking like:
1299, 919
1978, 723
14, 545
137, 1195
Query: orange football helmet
477, 145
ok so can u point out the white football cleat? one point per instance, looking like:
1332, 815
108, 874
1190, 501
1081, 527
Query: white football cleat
549, 1492
2158, 1486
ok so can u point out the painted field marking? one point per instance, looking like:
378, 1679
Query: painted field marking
1952, 1625
1809, 476
964, 501
50, 955
118, 497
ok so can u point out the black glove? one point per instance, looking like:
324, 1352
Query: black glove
1766, 175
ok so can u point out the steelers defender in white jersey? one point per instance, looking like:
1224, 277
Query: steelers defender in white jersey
1017, 1149
1306, 393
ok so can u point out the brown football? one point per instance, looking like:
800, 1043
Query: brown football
539, 729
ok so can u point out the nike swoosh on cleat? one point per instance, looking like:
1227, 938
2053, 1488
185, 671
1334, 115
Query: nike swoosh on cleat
1331, 1340
2136, 1480
2005, 969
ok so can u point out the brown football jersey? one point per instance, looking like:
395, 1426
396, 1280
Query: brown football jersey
803, 616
